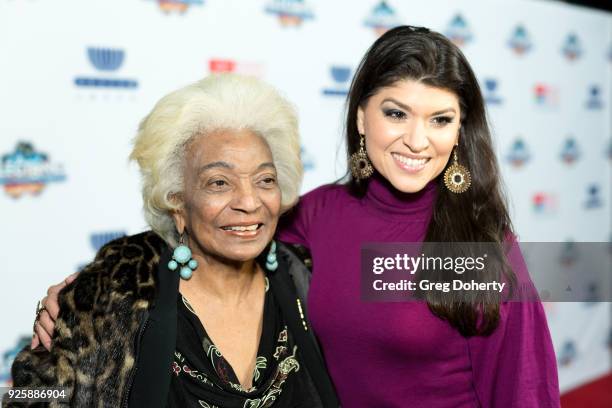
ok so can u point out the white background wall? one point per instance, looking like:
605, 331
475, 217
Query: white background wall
87, 131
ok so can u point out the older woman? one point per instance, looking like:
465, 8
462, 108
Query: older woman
205, 310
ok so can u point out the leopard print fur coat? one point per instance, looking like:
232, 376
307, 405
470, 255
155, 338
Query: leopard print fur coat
93, 352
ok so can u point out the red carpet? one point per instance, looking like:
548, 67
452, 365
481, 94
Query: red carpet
596, 394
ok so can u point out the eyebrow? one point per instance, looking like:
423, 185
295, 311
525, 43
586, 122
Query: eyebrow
266, 164
212, 165
227, 165
406, 107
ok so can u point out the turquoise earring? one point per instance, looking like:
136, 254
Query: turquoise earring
271, 262
182, 256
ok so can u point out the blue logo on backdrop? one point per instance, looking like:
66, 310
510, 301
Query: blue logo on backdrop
594, 100
458, 31
593, 197
290, 13
181, 6
99, 239
307, 159
8, 357
572, 48
105, 60
491, 96
519, 153
520, 42
568, 353
341, 76
382, 18
25, 170
570, 152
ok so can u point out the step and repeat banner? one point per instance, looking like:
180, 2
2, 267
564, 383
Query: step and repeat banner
76, 77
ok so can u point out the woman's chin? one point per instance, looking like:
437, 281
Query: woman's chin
409, 184
243, 252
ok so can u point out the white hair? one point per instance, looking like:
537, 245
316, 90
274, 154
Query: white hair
217, 102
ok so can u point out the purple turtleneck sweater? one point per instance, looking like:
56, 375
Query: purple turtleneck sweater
399, 354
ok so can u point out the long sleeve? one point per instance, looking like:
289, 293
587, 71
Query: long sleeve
516, 365
93, 350
74, 336
40, 368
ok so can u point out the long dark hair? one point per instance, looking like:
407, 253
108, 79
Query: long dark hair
478, 215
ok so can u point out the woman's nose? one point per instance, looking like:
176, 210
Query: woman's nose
247, 199
415, 137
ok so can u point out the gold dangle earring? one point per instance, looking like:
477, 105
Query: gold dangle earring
360, 165
456, 177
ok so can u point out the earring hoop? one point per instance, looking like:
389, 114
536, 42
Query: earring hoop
359, 163
457, 178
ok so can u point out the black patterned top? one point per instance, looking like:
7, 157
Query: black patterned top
201, 377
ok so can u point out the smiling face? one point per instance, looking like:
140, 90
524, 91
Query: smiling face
231, 196
410, 129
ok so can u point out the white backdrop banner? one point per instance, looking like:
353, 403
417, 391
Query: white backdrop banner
77, 76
